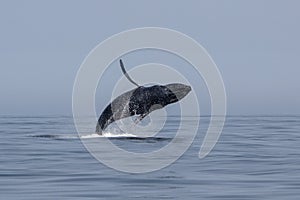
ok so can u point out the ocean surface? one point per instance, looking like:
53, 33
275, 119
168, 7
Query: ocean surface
256, 157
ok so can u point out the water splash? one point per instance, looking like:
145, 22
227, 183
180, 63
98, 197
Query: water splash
108, 135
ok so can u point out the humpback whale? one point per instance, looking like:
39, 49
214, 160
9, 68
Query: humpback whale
140, 101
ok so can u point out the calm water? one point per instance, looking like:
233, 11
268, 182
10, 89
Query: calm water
257, 157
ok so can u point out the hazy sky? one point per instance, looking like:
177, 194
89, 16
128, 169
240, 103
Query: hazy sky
255, 44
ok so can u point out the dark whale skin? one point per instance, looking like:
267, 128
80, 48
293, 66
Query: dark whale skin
141, 101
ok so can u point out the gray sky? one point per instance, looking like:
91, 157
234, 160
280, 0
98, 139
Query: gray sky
255, 44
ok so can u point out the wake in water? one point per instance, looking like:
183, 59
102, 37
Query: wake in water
88, 136
110, 135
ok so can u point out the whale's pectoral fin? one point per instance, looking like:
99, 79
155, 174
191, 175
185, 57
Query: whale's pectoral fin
140, 118
126, 74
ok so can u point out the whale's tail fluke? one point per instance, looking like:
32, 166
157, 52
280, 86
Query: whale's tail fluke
126, 74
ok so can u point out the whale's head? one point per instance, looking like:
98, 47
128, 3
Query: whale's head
176, 91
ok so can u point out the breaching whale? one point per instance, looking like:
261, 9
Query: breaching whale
140, 101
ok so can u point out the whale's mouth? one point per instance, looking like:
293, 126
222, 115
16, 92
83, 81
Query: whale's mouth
179, 91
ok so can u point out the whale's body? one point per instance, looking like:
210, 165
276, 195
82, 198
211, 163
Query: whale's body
140, 101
